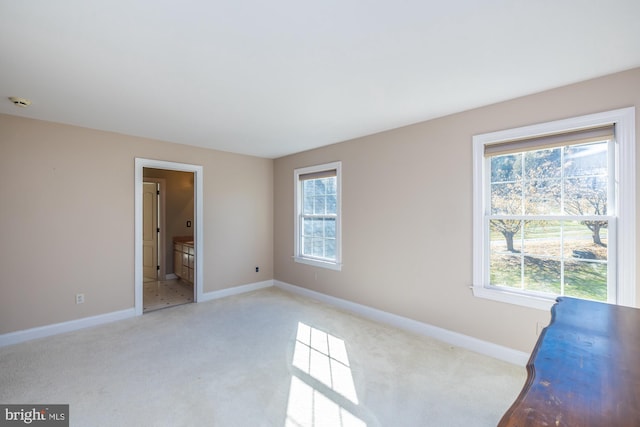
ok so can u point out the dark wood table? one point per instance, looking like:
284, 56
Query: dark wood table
584, 369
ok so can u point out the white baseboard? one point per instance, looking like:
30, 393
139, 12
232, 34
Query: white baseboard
236, 290
59, 328
73, 325
454, 338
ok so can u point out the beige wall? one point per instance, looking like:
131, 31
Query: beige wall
67, 219
407, 213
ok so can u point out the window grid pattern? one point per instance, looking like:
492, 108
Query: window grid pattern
548, 223
318, 218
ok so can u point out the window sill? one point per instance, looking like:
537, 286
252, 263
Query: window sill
531, 301
318, 263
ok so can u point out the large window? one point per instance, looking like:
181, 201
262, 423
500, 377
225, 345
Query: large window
317, 229
555, 211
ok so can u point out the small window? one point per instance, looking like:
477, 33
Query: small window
318, 228
555, 212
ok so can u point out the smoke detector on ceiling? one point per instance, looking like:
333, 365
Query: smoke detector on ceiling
20, 102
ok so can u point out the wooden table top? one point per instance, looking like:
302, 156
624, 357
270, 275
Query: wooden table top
584, 370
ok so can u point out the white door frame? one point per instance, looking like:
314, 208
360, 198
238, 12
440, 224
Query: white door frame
141, 163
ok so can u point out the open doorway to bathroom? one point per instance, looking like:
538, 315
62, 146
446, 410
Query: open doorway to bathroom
168, 254
168, 207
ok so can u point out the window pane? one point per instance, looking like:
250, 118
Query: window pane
505, 270
308, 187
542, 274
318, 205
505, 253
318, 230
543, 197
586, 160
330, 248
580, 239
307, 245
506, 199
307, 208
586, 196
307, 228
331, 204
319, 186
506, 236
542, 238
541, 164
318, 248
507, 168
586, 280
330, 227
330, 185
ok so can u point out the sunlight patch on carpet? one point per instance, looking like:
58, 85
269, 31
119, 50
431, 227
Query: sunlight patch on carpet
322, 386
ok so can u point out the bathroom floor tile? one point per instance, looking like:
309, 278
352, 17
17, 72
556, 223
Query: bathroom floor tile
166, 293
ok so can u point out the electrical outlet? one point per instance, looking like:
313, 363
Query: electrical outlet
79, 298
257, 269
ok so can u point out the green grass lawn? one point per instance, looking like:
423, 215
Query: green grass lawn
582, 279
539, 268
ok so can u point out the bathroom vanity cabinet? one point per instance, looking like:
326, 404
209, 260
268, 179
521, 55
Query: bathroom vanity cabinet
183, 260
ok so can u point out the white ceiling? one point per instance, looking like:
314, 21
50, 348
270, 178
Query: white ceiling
279, 77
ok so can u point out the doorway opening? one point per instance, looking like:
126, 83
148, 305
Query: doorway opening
167, 218
168, 234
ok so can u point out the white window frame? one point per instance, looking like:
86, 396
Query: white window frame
625, 204
298, 256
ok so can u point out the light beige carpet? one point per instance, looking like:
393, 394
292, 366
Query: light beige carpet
266, 358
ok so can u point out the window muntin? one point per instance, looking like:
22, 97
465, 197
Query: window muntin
565, 201
318, 215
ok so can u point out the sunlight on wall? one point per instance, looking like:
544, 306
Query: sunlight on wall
322, 385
